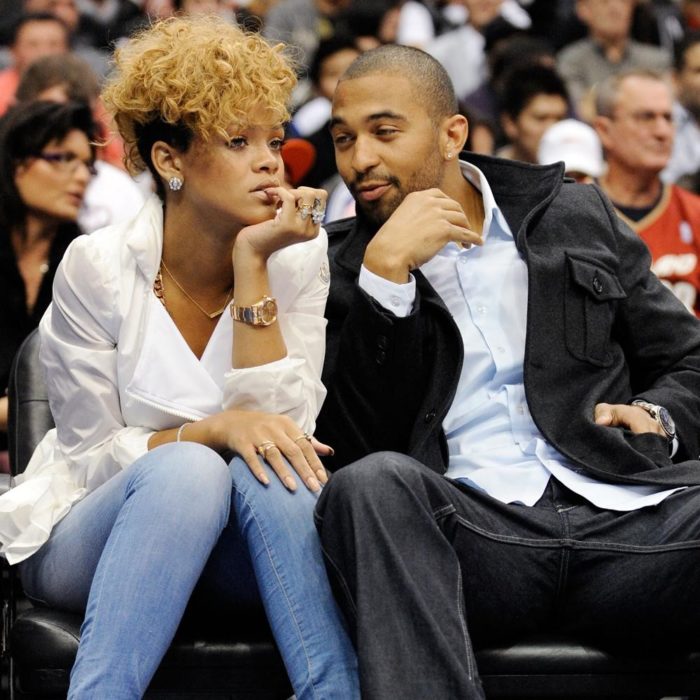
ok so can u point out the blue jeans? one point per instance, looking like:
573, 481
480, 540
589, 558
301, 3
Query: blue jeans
132, 552
428, 569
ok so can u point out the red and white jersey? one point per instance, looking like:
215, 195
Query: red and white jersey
671, 231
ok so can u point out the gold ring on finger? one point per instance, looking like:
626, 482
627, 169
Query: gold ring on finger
303, 436
305, 211
263, 447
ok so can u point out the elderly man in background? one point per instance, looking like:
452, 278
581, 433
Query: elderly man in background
635, 125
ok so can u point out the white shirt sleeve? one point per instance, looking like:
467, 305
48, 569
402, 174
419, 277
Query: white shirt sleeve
79, 354
397, 298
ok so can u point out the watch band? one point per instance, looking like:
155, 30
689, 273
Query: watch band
262, 313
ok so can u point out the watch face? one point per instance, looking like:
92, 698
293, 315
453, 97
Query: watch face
268, 312
666, 421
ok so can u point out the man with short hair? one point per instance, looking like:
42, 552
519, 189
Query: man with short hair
685, 157
634, 122
533, 98
506, 371
34, 35
608, 49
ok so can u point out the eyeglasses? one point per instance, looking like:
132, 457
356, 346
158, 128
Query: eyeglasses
66, 162
645, 119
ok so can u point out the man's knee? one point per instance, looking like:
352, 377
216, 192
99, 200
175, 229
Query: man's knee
370, 480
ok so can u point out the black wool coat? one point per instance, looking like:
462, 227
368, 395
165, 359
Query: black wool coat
600, 328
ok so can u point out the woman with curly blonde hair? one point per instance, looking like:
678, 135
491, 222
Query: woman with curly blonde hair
183, 353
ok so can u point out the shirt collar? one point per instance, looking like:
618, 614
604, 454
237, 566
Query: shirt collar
492, 212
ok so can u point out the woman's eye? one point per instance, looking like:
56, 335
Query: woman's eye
237, 142
276, 144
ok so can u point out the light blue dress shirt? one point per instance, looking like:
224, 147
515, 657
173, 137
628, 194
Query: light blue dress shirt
494, 444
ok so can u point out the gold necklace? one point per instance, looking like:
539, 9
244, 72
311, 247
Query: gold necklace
159, 292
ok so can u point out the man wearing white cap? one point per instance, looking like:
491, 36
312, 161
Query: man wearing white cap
635, 124
575, 143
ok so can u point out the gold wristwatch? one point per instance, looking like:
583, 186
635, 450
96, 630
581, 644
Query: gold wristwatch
262, 313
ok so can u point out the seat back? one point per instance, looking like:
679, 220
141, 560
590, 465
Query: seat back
29, 415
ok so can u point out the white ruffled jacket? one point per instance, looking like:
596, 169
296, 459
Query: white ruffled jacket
118, 369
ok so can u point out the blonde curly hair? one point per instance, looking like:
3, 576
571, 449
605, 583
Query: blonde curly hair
199, 75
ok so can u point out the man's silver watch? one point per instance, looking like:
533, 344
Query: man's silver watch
660, 415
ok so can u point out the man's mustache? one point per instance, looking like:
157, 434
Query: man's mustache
363, 178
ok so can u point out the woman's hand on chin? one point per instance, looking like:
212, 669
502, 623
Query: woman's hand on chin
298, 219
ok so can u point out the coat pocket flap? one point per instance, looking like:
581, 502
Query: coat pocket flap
601, 284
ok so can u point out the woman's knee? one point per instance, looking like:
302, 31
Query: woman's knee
187, 468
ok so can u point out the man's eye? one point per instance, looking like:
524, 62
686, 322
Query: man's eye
340, 139
386, 131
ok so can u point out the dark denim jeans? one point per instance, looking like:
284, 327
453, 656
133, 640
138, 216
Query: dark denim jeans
425, 568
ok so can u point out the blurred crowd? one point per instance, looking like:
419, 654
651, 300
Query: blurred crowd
611, 87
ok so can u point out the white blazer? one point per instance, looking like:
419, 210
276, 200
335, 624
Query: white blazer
118, 370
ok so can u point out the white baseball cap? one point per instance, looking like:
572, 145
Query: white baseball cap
574, 142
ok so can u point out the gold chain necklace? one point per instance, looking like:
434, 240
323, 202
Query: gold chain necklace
159, 292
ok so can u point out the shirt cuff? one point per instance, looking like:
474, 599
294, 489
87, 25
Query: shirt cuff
397, 298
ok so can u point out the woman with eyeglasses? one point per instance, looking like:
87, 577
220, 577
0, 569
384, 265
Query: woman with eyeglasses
46, 161
183, 353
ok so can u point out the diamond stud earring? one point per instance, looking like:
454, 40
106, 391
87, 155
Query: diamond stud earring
175, 184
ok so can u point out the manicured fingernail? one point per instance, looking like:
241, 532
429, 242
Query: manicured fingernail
290, 483
313, 484
262, 477
331, 451
322, 476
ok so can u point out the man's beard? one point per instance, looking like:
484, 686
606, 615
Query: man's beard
380, 210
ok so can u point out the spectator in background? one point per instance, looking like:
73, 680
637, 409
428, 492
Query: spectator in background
578, 145
685, 157
303, 24
635, 126
514, 51
329, 62
46, 161
608, 49
112, 195
34, 36
533, 98
312, 120
81, 39
462, 51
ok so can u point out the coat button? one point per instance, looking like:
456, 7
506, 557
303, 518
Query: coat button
382, 342
381, 357
430, 415
597, 285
